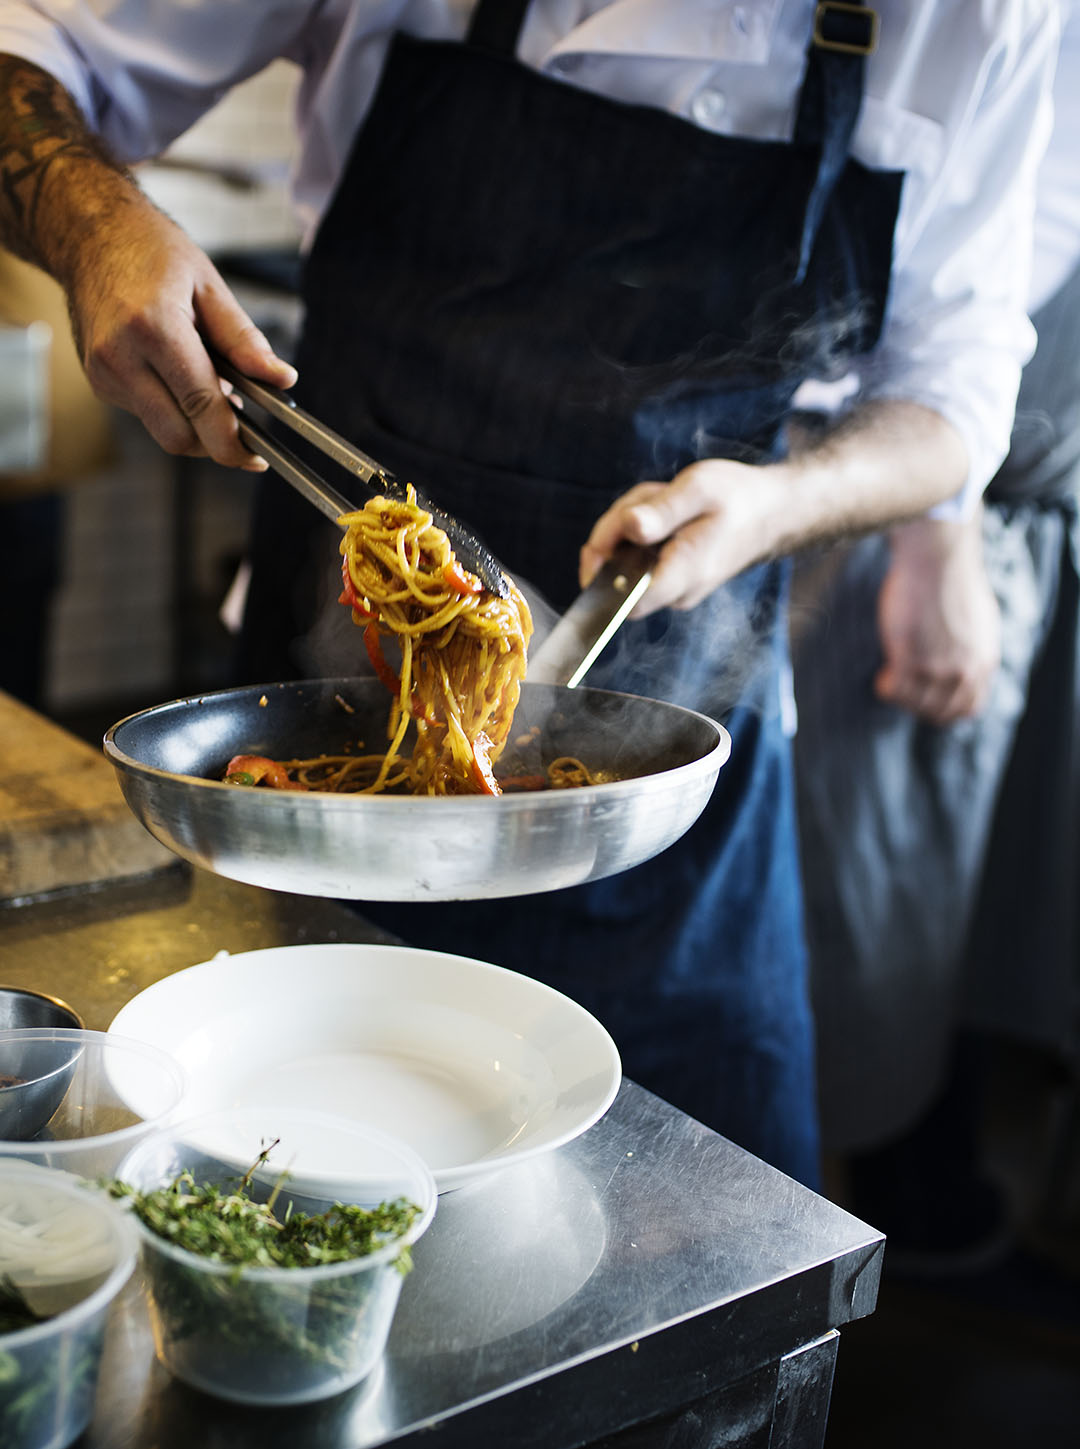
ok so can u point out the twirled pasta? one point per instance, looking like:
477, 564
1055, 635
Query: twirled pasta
463, 656
463, 649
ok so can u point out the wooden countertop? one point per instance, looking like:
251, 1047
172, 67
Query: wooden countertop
63, 818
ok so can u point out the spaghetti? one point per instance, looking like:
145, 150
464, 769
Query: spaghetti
462, 659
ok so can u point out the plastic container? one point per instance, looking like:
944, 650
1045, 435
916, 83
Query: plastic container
49, 1371
270, 1335
82, 1099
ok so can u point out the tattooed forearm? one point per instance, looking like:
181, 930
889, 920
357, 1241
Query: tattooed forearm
55, 174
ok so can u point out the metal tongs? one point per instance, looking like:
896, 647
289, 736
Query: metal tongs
375, 478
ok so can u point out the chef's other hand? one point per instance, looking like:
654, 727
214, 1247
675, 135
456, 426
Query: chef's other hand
142, 300
711, 521
938, 621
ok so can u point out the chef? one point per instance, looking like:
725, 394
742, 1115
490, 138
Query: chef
569, 262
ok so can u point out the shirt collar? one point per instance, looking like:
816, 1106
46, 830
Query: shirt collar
736, 31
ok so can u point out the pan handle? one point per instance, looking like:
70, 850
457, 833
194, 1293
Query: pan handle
584, 631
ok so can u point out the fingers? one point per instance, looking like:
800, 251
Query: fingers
147, 330
170, 383
153, 403
940, 700
939, 622
681, 578
226, 326
706, 525
678, 517
622, 522
200, 394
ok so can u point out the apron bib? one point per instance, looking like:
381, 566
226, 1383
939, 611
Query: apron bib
528, 297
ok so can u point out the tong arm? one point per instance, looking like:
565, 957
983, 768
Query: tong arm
281, 406
473, 554
284, 461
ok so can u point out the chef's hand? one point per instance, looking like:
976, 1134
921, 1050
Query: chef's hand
888, 459
939, 622
710, 522
141, 294
143, 298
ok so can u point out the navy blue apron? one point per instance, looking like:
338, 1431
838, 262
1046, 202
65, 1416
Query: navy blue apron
528, 297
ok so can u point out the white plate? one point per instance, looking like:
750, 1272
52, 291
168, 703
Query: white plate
474, 1066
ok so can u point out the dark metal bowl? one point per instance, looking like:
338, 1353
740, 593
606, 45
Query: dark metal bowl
42, 1069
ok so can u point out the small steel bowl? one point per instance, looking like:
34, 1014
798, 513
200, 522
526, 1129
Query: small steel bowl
29, 1096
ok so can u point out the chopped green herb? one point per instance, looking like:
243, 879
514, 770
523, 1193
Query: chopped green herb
229, 1226
30, 1391
286, 1326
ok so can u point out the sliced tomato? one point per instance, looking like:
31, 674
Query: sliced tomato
378, 659
258, 769
481, 766
349, 595
455, 577
516, 783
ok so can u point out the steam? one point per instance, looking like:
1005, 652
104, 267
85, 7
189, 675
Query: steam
710, 658
724, 652
692, 405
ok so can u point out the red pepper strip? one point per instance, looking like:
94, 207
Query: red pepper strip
375, 654
251, 769
348, 593
515, 783
481, 766
455, 577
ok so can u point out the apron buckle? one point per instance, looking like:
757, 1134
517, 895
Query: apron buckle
851, 29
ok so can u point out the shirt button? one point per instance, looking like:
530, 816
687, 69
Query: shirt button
709, 109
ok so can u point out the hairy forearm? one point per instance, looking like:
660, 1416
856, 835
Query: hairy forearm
889, 461
57, 180
145, 301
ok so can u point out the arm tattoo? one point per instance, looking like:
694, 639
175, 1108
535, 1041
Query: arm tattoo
41, 131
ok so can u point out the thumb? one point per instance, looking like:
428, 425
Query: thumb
613, 528
226, 326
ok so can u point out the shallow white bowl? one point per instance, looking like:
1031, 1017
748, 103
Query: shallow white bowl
473, 1066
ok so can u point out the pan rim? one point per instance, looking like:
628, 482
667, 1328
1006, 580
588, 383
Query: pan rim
709, 762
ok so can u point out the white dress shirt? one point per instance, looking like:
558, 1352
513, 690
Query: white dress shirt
1057, 204
957, 96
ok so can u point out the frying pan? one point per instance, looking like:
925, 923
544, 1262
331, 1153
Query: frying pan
169, 761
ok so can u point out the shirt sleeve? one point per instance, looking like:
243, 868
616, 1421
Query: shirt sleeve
143, 71
957, 334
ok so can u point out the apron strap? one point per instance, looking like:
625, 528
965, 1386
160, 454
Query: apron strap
844, 35
496, 25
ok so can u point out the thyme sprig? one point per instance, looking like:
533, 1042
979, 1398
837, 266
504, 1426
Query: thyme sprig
227, 1225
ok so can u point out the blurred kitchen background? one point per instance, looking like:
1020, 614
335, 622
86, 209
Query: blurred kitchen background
148, 547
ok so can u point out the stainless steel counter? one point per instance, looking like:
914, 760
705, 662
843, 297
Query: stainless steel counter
648, 1285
